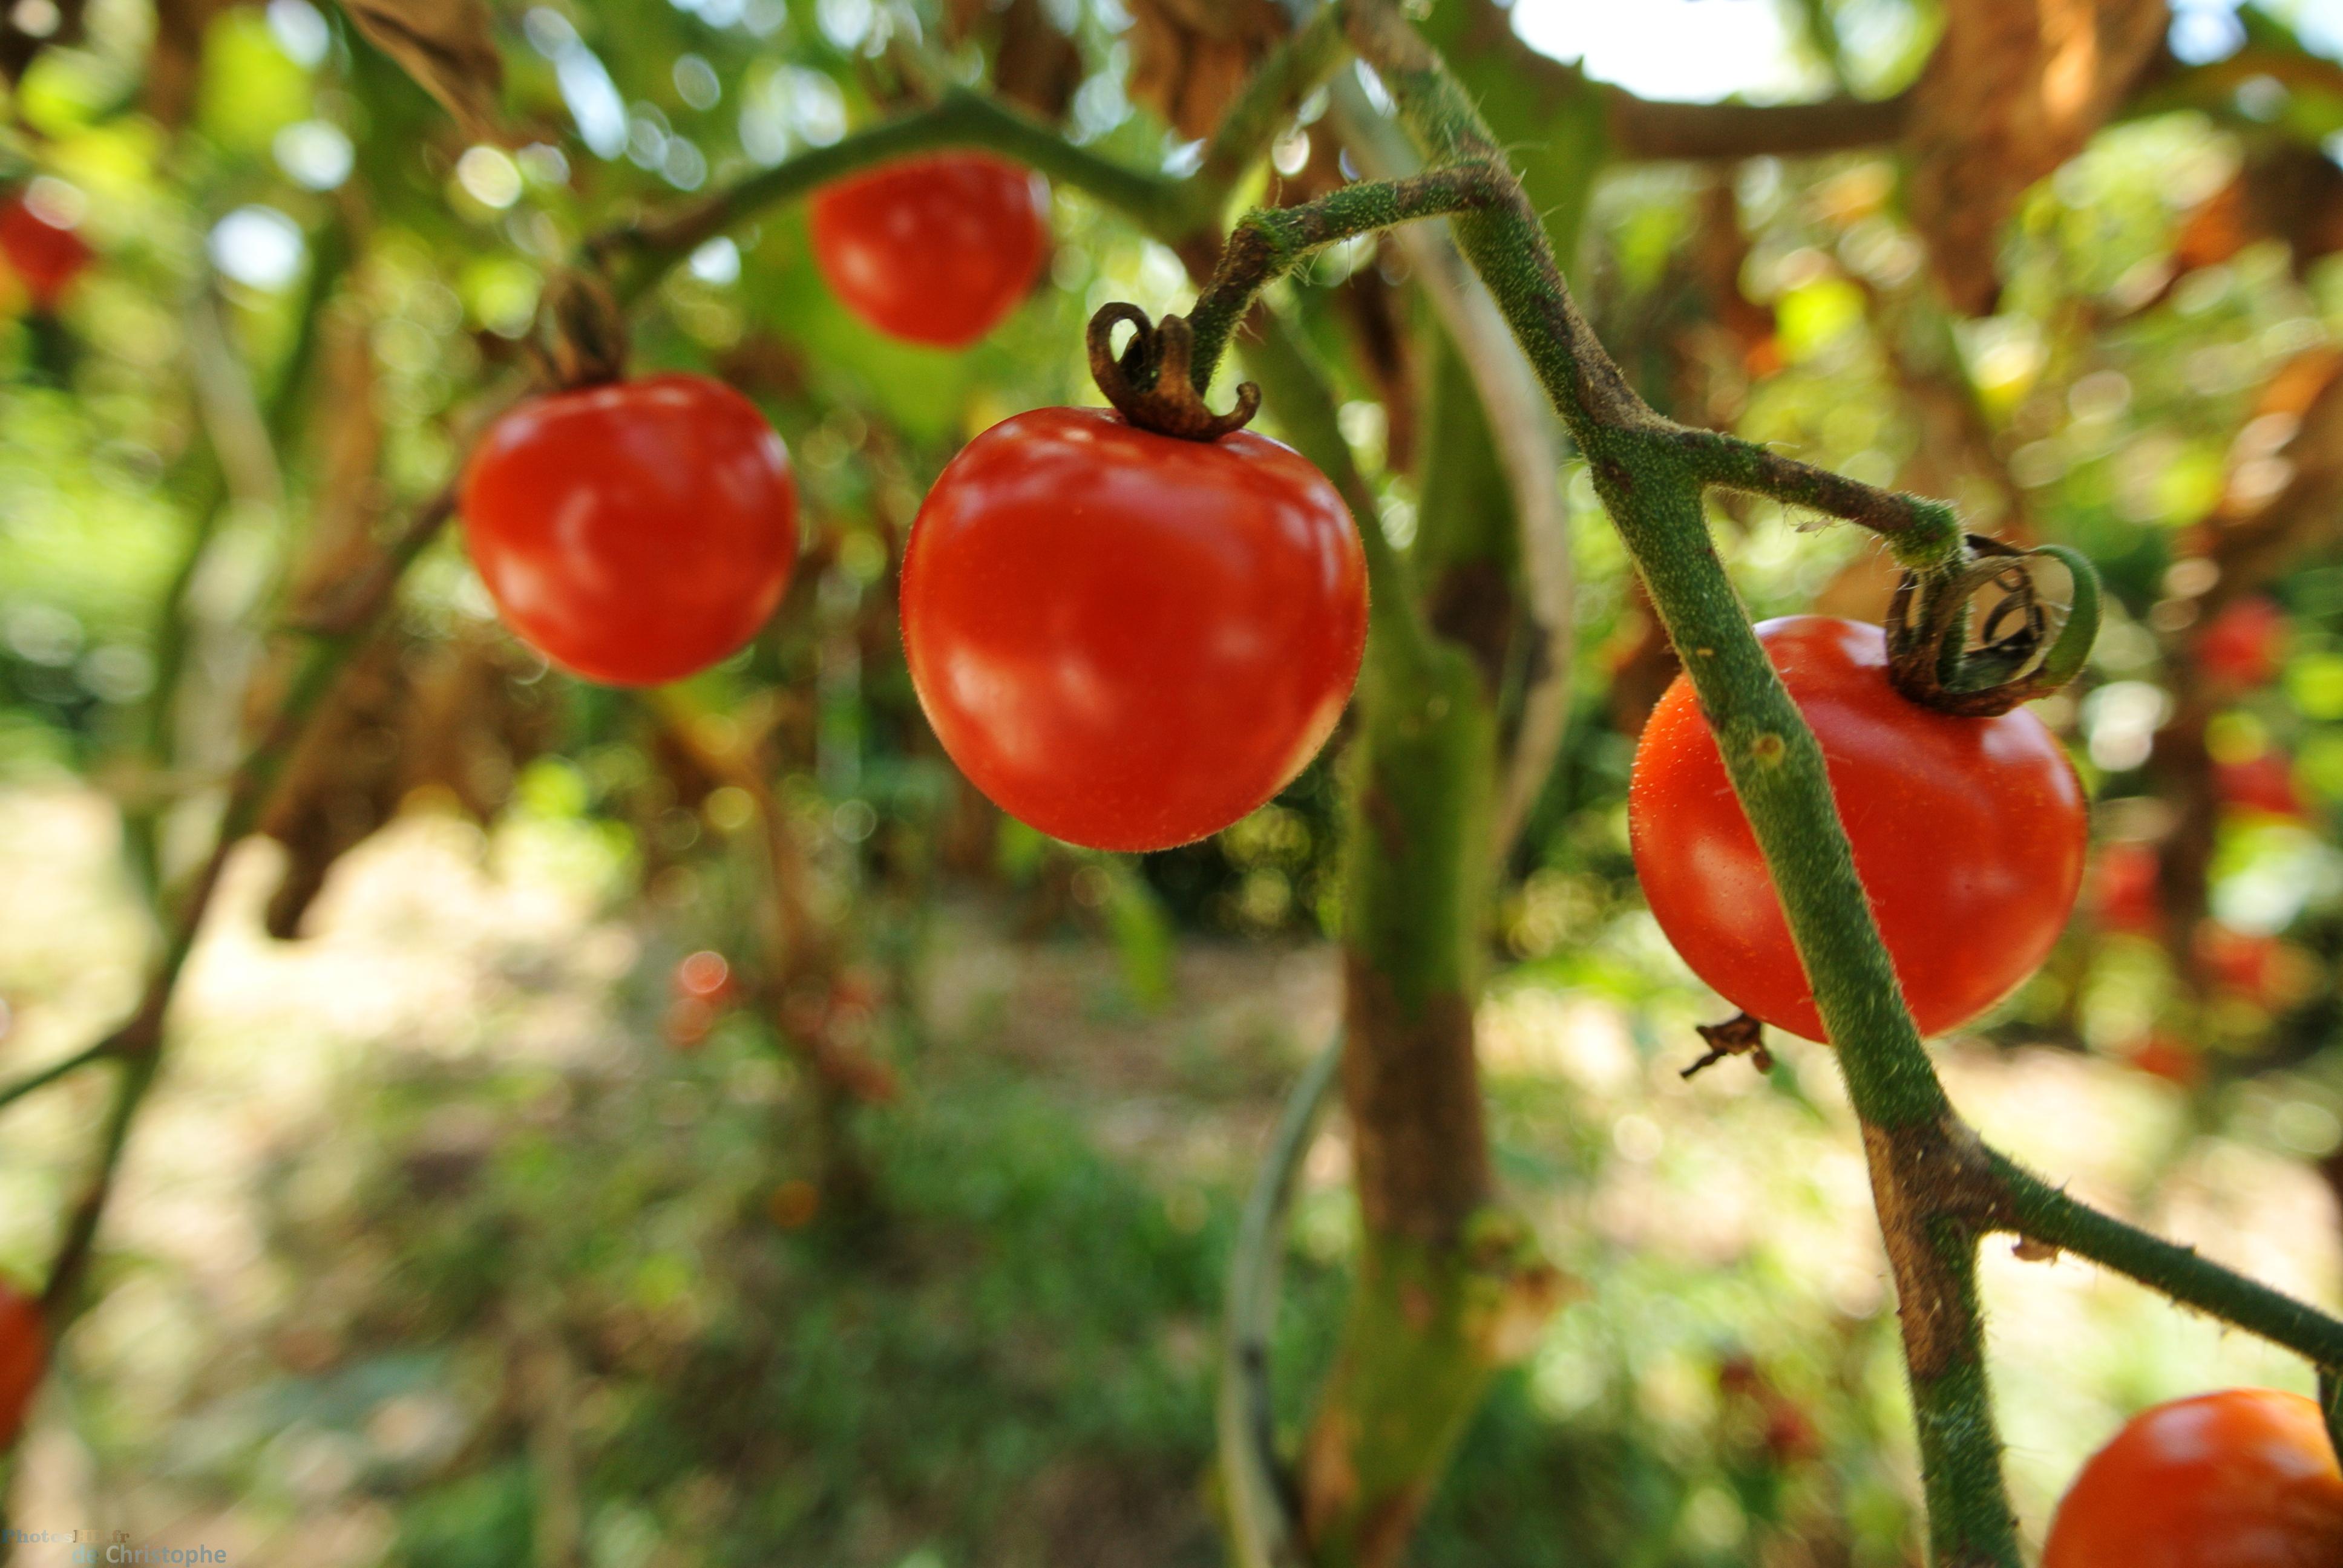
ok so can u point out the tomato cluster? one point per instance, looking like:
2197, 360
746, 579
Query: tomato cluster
1967, 835
1126, 639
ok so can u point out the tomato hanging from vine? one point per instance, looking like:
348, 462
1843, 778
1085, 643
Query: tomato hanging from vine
1129, 639
2244, 1478
633, 532
936, 250
1968, 834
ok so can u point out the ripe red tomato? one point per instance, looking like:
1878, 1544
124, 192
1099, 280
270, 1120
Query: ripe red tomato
2170, 1058
2126, 889
1967, 834
2245, 1478
934, 250
2262, 783
46, 255
635, 532
2250, 963
1126, 639
2240, 645
23, 1357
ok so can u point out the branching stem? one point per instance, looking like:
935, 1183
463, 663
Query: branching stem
63, 1067
1269, 242
1936, 1188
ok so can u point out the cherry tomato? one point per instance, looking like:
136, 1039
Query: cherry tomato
2262, 783
1967, 834
2250, 963
2239, 646
2125, 891
1126, 639
2169, 1058
2245, 1478
23, 1357
635, 532
47, 255
935, 250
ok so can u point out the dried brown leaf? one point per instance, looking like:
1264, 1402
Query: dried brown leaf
2014, 90
447, 47
174, 60
1034, 64
1190, 57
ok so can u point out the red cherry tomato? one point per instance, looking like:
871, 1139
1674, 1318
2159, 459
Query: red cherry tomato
1967, 834
636, 532
2245, 1478
2124, 890
934, 250
2239, 647
2262, 783
46, 255
2249, 963
1126, 639
23, 1357
2169, 1058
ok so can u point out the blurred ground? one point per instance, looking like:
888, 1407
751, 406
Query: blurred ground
432, 1250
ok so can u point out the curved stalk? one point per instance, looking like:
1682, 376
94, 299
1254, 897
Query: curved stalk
1265, 1530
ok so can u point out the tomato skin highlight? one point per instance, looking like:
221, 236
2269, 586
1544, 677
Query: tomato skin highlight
1968, 834
634, 532
2245, 1478
1126, 639
49, 257
935, 250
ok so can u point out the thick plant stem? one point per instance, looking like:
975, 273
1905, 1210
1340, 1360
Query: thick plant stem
1650, 476
1450, 1287
1442, 1275
1272, 241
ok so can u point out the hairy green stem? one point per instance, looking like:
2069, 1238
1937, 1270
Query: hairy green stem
1650, 474
1269, 242
2039, 1212
63, 1067
960, 118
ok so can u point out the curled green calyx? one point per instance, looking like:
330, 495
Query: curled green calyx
1149, 382
1980, 637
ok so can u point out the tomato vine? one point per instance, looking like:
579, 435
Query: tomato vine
1939, 1189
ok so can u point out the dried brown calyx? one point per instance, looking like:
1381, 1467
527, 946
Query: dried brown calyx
1953, 650
1148, 382
583, 331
